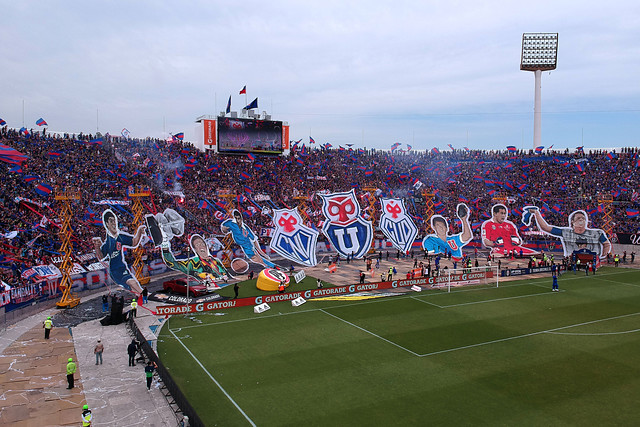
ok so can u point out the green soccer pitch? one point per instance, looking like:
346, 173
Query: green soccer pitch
517, 354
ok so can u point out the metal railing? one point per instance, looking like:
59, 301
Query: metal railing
173, 394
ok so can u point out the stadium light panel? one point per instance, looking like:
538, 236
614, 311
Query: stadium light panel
539, 51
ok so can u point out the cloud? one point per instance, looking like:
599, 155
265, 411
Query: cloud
337, 69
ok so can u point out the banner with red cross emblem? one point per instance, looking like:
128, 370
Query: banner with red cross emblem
292, 239
396, 225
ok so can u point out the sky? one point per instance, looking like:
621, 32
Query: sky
368, 73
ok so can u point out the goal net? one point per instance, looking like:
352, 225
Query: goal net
473, 276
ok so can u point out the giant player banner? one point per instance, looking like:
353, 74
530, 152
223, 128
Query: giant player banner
501, 235
112, 250
577, 238
442, 242
202, 266
244, 237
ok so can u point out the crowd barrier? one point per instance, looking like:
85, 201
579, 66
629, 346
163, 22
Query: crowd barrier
176, 394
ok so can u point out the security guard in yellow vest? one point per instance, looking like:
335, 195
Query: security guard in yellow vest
71, 369
48, 324
134, 308
86, 416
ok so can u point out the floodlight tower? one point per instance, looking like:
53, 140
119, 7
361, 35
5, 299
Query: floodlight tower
539, 53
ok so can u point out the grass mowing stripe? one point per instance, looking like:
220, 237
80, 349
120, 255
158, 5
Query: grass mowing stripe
528, 335
213, 379
370, 333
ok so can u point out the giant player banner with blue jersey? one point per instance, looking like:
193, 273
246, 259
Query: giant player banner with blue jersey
111, 251
442, 242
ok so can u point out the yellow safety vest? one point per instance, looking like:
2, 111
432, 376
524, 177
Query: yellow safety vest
71, 368
86, 419
48, 324
134, 305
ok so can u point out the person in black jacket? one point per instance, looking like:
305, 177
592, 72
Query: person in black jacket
132, 349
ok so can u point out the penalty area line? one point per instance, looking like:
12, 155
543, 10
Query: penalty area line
497, 299
214, 380
547, 331
370, 333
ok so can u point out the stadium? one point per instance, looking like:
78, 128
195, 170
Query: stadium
344, 344
255, 275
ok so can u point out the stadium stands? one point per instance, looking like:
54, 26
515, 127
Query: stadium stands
182, 178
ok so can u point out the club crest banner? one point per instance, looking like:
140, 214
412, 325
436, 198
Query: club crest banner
349, 233
292, 239
396, 225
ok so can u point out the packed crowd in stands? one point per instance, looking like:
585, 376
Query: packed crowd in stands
181, 177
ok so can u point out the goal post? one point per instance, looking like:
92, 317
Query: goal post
472, 276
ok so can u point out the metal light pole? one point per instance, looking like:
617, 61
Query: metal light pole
539, 53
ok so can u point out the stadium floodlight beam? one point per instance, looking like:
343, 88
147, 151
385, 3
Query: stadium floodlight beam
539, 53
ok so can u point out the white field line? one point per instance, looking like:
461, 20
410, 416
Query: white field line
498, 299
425, 302
214, 380
370, 333
599, 334
620, 283
528, 335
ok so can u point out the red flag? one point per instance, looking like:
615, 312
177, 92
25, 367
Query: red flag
244, 90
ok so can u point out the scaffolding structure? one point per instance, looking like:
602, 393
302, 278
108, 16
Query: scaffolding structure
227, 241
303, 208
372, 209
137, 194
69, 299
606, 201
429, 203
499, 198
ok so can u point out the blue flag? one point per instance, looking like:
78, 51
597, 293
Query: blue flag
253, 104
